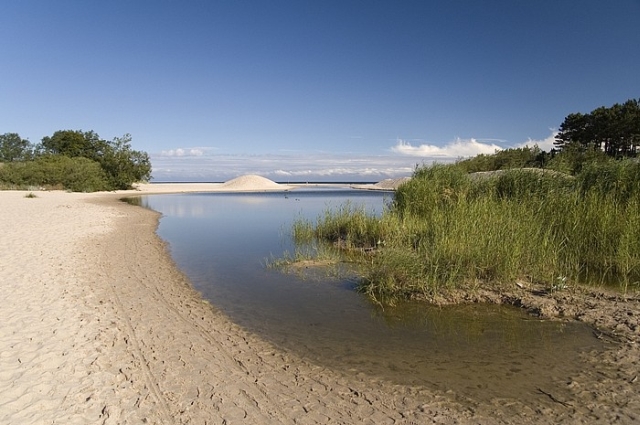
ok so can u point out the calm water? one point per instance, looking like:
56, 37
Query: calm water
222, 241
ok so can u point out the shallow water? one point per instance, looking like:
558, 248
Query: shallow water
221, 241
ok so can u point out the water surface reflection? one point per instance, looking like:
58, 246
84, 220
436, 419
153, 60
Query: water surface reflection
222, 240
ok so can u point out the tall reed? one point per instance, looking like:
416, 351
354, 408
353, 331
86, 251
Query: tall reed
446, 229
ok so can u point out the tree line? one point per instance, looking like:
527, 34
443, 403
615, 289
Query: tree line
603, 135
614, 130
72, 159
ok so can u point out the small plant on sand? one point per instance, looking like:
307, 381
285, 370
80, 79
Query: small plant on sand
30, 195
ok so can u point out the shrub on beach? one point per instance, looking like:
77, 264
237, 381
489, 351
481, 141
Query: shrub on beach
121, 165
72, 160
55, 172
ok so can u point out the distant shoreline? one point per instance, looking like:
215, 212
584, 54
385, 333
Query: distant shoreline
301, 182
255, 183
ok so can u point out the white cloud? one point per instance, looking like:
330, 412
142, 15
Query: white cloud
544, 144
201, 164
184, 152
456, 149
289, 167
461, 148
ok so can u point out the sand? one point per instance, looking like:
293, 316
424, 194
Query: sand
99, 326
246, 183
386, 184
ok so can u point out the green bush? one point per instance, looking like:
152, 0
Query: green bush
73, 160
55, 171
122, 165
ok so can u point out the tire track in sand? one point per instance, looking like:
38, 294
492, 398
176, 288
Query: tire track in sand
132, 341
233, 372
240, 371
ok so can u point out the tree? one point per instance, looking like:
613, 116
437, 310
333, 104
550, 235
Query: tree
73, 143
122, 165
14, 148
614, 130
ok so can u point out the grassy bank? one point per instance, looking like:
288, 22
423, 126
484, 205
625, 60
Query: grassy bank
448, 229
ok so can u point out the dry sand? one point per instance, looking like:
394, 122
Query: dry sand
386, 184
246, 183
99, 326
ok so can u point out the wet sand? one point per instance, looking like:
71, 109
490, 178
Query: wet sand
99, 326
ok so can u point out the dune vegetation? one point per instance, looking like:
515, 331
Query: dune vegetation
559, 218
448, 229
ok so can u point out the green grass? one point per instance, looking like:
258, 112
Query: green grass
447, 230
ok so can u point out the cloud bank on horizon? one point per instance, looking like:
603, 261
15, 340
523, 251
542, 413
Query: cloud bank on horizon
196, 164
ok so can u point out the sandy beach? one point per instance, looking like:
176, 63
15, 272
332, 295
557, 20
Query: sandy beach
100, 327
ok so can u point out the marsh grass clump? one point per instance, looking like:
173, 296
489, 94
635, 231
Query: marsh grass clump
349, 227
313, 260
447, 230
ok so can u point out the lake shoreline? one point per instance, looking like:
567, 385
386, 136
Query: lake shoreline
103, 327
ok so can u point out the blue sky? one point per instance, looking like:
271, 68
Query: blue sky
312, 90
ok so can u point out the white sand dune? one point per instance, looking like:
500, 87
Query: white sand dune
253, 183
246, 183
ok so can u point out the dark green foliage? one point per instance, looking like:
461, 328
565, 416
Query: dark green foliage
74, 144
570, 216
614, 130
121, 164
124, 165
73, 160
57, 172
526, 157
573, 157
14, 148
